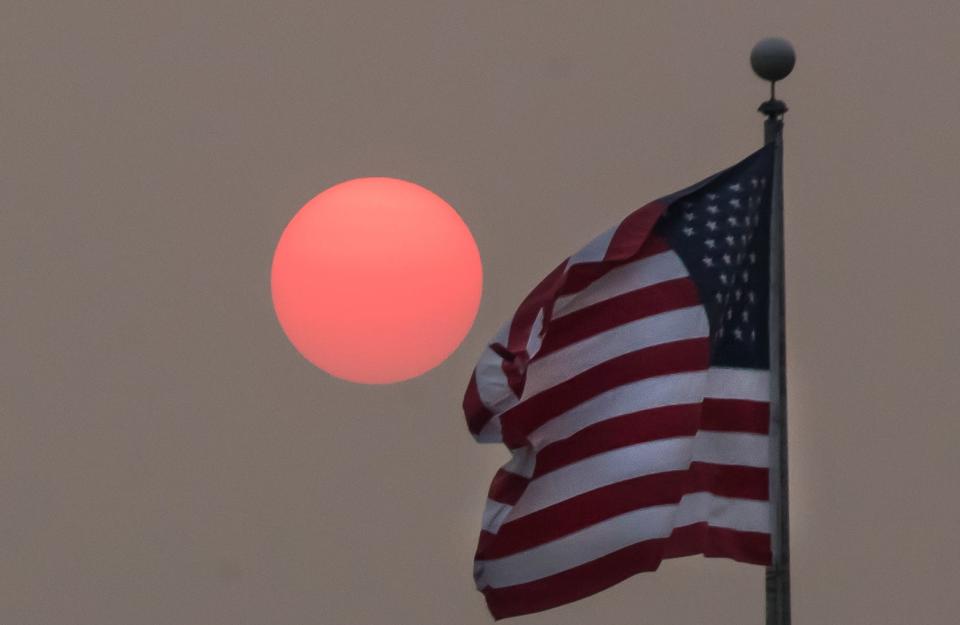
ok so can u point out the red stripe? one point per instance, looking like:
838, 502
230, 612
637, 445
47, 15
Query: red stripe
599, 574
634, 231
723, 542
486, 540
616, 311
733, 481
526, 313
664, 359
629, 429
476, 413
736, 415
585, 510
626, 242
507, 487
598, 505
582, 275
515, 363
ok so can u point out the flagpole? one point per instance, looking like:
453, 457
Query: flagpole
773, 59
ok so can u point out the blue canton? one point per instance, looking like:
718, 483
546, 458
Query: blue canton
721, 231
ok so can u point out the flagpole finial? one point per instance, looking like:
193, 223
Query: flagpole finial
773, 59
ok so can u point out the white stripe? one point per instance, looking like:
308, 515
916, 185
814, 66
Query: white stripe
741, 448
621, 531
494, 514
595, 250
675, 325
616, 465
577, 548
492, 387
745, 515
729, 383
535, 340
630, 277
492, 384
522, 463
491, 432
648, 458
667, 390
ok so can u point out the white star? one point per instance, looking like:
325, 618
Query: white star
746, 276
688, 231
712, 196
727, 259
712, 209
738, 334
735, 202
710, 243
730, 239
754, 182
712, 225
751, 296
708, 261
737, 294
753, 258
719, 296
745, 316
729, 314
688, 216
723, 278
733, 221
753, 335
734, 187
743, 239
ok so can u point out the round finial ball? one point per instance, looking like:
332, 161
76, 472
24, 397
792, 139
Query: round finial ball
772, 58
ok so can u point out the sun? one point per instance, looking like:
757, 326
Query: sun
376, 280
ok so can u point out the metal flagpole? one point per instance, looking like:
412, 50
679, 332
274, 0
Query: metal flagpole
773, 59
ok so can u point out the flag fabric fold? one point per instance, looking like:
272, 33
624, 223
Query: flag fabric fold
631, 387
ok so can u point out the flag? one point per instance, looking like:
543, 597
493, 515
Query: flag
631, 387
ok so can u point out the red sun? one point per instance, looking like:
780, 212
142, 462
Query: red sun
376, 280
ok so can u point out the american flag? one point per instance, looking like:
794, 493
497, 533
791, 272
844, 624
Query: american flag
631, 387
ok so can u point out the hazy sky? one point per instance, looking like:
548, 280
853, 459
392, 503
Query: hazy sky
167, 457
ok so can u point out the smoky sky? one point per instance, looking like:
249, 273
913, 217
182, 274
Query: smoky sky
168, 458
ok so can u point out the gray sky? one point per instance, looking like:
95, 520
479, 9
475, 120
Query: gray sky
166, 456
